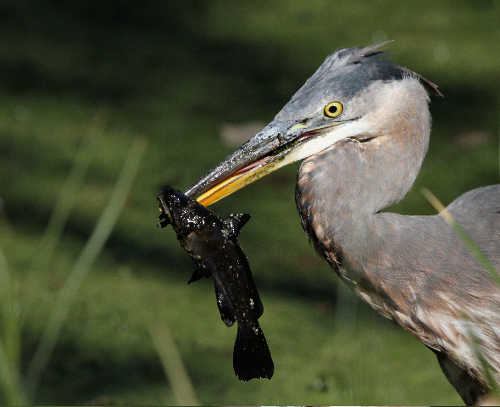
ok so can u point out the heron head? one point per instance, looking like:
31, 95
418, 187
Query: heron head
340, 100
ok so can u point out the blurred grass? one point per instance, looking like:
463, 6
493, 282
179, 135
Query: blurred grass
10, 338
172, 363
174, 73
12, 392
83, 264
67, 198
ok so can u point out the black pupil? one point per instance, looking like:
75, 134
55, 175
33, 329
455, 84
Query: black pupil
332, 109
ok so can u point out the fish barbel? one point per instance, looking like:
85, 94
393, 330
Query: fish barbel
213, 245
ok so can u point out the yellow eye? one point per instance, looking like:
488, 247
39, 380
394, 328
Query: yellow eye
333, 109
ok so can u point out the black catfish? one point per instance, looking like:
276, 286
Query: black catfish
213, 245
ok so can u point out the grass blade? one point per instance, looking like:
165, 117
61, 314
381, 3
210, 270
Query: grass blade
469, 242
10, 340
9, 385
82, 266
67, 198
172, 365
168, 352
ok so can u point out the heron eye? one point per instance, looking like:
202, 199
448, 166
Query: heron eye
333, 109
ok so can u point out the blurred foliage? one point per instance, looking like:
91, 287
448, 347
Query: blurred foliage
174, 72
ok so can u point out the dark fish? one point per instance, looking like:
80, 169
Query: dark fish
213, 245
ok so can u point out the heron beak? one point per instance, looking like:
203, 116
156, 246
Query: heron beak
277, 145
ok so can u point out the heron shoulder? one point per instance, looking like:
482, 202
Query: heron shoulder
479, 202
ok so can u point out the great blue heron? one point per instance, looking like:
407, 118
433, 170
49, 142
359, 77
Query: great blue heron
362, 124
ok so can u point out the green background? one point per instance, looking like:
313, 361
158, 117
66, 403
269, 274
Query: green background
174, 73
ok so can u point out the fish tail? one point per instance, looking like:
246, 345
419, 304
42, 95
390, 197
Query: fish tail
251, 356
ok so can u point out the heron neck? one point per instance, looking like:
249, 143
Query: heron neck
341, 189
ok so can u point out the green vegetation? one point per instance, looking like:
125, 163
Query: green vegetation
76, 78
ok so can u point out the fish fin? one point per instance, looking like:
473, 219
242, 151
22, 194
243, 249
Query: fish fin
253, 294
258, 307
164, 217
163, 220
251, 355
225, 309
235, 222
198, 274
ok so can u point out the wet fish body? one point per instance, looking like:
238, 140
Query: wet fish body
213, 245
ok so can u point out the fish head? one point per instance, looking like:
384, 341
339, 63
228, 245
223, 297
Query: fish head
183, 213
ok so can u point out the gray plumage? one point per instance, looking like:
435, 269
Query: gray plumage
414, 270
363, 158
